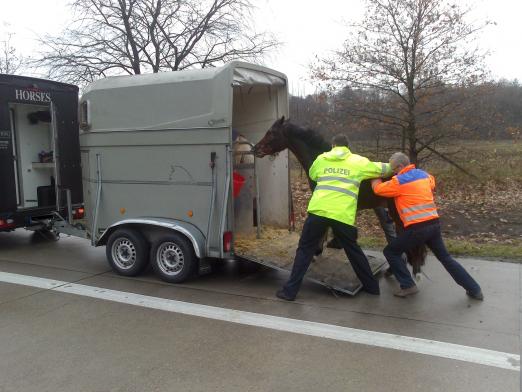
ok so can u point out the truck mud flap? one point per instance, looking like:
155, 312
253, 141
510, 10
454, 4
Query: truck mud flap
276, 249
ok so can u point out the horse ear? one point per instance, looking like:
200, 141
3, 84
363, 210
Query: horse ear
282, 120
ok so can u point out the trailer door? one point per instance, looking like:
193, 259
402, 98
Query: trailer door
15, 156
8, 194
67, 147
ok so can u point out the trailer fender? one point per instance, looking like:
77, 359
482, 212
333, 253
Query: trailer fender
190, 231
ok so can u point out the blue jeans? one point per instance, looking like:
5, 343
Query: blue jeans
313, 231
426, 233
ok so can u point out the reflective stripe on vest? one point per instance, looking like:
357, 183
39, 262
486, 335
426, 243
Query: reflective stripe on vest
383, 169
341, 179
335, 189
418, 208
421, 215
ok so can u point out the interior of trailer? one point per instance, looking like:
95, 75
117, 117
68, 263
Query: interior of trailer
33, 155
255, 108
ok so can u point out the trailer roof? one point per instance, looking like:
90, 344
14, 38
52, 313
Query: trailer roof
186, 99
243, 74
19, 79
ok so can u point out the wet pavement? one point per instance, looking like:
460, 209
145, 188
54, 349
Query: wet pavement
55, 341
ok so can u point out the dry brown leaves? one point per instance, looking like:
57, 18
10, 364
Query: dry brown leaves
487, 212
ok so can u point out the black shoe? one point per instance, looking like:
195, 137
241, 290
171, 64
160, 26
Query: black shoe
282, 295
478, 296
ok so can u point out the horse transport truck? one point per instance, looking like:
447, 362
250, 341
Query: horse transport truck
160, 179
40, 172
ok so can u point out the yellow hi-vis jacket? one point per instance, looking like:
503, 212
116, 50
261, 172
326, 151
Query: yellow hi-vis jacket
338, 174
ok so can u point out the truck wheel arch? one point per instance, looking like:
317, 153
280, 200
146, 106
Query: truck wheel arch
152, 227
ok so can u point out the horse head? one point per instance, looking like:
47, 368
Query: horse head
274, 141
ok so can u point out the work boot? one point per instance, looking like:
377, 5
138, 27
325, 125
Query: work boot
478, 296
282, 295
405, 292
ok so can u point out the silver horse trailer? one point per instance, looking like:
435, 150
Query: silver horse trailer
161, 179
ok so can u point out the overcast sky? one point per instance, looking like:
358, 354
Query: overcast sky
306, 28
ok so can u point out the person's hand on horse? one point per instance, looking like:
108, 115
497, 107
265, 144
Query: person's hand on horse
376, 181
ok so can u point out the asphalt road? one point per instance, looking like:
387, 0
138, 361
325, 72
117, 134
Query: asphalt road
103, 332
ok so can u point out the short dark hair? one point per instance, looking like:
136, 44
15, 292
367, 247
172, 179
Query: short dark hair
340, 140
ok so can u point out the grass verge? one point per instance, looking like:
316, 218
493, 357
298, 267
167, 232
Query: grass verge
506, 252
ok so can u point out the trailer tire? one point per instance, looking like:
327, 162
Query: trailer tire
173, 258
127, 252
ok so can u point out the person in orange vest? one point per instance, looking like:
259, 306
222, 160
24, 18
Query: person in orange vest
412, 190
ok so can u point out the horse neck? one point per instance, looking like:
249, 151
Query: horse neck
305, 153
305, 156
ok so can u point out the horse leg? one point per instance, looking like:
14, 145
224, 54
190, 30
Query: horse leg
386, 223
384, 220
334, 243
320, 246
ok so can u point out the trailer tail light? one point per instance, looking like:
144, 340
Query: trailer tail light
227, 241
78, 213
7, 224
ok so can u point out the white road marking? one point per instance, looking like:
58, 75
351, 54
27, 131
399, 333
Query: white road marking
370, 338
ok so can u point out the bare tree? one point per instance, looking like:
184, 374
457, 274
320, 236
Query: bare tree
408, 52
10, 61
135, 36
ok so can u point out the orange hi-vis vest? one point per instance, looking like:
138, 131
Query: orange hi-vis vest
412, 189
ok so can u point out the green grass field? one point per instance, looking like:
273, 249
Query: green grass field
505, 252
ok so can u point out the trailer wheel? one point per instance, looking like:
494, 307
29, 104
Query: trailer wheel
173, 258
127, 252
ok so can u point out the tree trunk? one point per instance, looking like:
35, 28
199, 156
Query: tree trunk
413, 153
412, 139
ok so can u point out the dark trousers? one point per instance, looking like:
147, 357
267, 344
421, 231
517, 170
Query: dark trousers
313, 231
425, 233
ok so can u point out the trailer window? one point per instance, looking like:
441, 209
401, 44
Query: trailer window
85, 120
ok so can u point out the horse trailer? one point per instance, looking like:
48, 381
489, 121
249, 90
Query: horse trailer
39, 152
163, 182
159, 174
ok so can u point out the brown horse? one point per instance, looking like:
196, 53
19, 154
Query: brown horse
307, 144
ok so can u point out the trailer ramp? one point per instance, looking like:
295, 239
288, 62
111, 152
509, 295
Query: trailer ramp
276, 249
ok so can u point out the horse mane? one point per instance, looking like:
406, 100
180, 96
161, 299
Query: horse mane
309, 136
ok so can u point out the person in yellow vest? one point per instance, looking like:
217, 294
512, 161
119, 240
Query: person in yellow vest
338, 174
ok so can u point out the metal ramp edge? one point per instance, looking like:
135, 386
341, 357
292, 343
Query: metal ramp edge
352, 291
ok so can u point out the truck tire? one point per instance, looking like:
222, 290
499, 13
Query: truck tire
127, 251
173, 258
